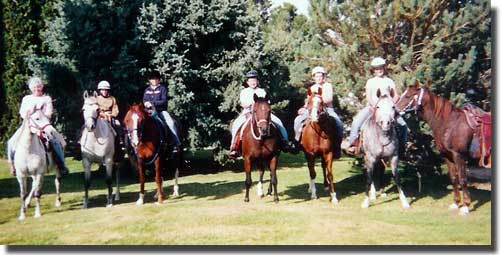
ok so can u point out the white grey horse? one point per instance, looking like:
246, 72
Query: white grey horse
31, 159
380, 143
98, 146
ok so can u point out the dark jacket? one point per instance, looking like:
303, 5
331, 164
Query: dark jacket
157, 96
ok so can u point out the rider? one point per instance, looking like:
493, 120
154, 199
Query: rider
155, 96
108, 108
246, 101
37, 100
318, 74
382, 82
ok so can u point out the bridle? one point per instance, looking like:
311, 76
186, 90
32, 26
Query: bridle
33, 124
139, 131
258, 121
414, 104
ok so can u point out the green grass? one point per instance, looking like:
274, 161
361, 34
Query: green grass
210, 210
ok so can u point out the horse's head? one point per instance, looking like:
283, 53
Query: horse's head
133, 122
90, 110
385, 111
411, 99
315, 103
261, 113
40, 125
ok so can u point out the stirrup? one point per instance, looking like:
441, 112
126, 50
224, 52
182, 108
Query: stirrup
233, 154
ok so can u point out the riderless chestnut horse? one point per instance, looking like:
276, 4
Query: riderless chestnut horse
318, 140
451, 131
260, 143
148, 142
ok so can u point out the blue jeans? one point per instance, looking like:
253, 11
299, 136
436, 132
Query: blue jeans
58, 151
299, 120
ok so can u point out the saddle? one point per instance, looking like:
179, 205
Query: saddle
480, 122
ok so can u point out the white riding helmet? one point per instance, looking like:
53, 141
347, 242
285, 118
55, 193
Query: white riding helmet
378, 62
317, 69
103, 85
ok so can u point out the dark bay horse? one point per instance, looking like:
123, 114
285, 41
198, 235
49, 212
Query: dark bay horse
379, 142
451, 133
317, 140
147, 142
260, 146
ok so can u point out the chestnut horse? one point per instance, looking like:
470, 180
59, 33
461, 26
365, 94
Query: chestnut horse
260, 143
451, 133
147, 142
317, 140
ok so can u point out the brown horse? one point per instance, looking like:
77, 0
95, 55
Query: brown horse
147, 141
260, 143
318, 140
451, 133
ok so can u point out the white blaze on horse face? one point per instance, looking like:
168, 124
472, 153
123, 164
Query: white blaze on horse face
40, 125
135, 137
314, 108
385, 114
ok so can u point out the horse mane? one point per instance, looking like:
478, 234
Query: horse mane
441, 107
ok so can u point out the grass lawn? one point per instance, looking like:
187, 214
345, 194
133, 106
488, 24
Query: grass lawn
210, 210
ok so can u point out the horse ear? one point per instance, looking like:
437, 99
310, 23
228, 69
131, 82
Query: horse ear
319, 91
428, 84
309, 92
392, 92
416, 84
85, 94
94, 94
255, 97
378, 93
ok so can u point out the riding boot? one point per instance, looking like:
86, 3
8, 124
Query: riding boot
348, 147
337, 148
59, 157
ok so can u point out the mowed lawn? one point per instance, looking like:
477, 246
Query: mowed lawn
210, 211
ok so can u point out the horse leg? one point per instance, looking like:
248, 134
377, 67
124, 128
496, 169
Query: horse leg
117, 179
140, 200
274, 180
109, 181
176, 185
463, 181
87, 180
380, 174
260, 166
38, 194
57, 183
324, 168
454, 182
248, 180
396, 175
369, 163
22, 193
313, 175
29, 197
158, 180
330, 177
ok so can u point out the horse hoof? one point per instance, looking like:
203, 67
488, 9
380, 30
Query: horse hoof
37, 215
139, 202
453, 207
275, 200
109, 205
372, 198
246, 199
405, 205
117, 198
384, 195
175, 193
313, 197
365, 203
21, 217
57, 204
464, 211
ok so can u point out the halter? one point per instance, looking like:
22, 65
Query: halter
415, 103
38, 127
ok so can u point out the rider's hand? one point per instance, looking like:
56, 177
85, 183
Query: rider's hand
301, 110
147, 104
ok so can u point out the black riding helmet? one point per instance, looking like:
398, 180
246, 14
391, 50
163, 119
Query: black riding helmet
251, 74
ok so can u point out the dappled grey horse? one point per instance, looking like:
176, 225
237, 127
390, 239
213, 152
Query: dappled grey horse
380, 143
98, 146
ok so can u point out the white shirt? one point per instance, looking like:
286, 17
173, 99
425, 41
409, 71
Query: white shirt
247, 96
327, 92
384, 84
31, 102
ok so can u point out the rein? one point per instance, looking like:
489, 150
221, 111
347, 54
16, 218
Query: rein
253, 132
416, 105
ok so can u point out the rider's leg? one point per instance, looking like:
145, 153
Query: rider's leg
11, 145
339, 123
286, 146
118, 129
58, 154
298, 124
358, 120
237, 123
170, 123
